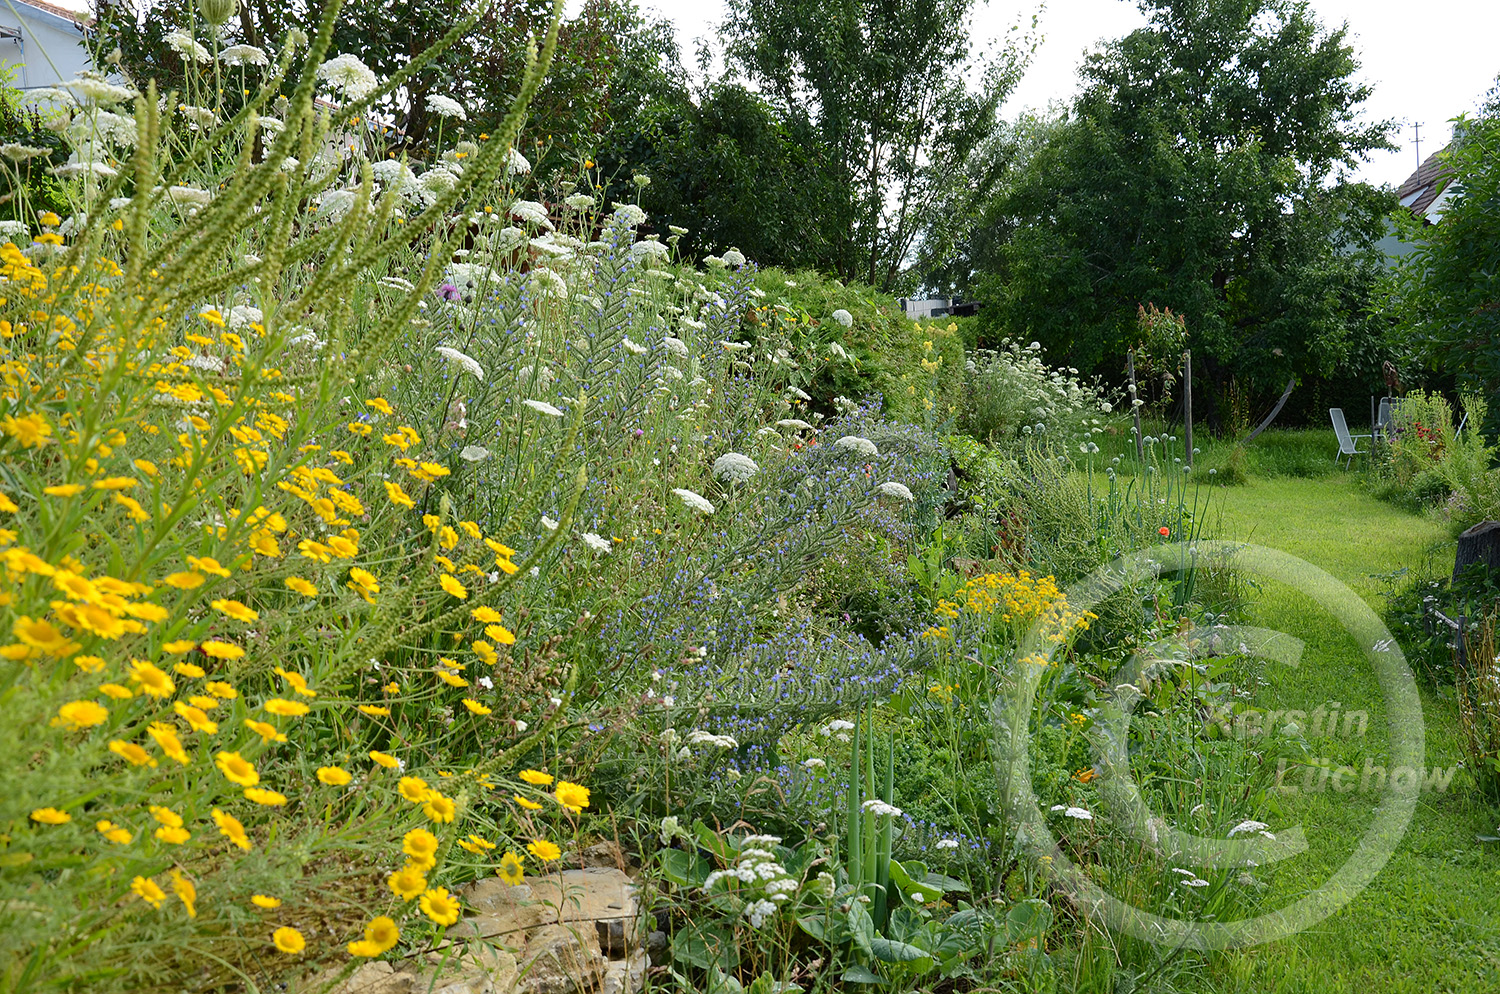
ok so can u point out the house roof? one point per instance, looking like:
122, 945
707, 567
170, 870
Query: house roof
74, 16
1423, 186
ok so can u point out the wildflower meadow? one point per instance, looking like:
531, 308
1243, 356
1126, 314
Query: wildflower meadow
385, 525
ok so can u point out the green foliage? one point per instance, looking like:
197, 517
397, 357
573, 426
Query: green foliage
900, 100
1445, 295
1181, 178
31, 190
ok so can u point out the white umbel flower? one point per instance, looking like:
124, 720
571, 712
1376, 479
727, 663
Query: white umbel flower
734, 258
627, 215
1081, 814
446, 106
598, 543
542, 407
517, 164
894, 489
844, 318
186, 46
796, 423
467, 363
633, 348
244, 55
1248, 826
531, 212
89, 86
349, 76
879, 808
695, 501
676, 346
858, 445
578, 201
734, 467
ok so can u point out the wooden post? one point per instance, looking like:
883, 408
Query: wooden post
1480, 544
1135, 408
1187, 402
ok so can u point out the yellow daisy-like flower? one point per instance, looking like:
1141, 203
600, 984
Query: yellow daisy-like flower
501, 634
51, 816
269, 798
152, 680
536, 778
222, 650
392, 688
385, 759
77, 715
485, 615
196, 719
173, 836
179, 646
420, 844
285, 708
526, 803
203, 703
383, 932
231, 828
333, 776
114, 833
146, 889
485, 652
381, 405
167, 740
208, 564
452, 586
184, 581
166, 816
235, 609
544, 850
89, 664
414, 789
186, 892
476, 844
364, 947
407, 882
441, 907
572, 796
296, 681
288, 940
237, 769
265, 901
221, 690
64, 490
475, 707
265, 730
116, 691
300, 586
398, 496
191, 670
450, 678
374, 709
439, 808
131, 753
510, 869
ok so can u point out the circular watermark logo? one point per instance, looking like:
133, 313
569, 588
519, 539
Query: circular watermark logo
1129, 811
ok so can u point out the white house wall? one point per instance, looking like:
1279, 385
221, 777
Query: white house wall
50, 49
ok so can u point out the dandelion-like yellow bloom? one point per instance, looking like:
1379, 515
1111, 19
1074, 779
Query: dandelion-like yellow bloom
222, 650
452, 586
485, 615
536, 778
296, 681
475, 707
501, 634
186, 892
526, 803
196, 719
485, 652
89, 664
441, 907
476, 844
51, 816
190, 670
208, 564
265, 730
114, 833
131, 753
265, 901
333, 776
407, 882
231, 828
439, 808
374, 709
385, 759
544, 850
235, 609
173, 836
285, 708
510, 869
184, 580
77, 715
237, 769
300, 586
420, 844
398, 496
269, 798
414, 789
167, 741
146, 889
64, 490
288, 940
221, 690
572, 796
382, 932
450, 678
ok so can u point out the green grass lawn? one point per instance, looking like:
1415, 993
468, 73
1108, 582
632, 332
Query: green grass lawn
1430, 921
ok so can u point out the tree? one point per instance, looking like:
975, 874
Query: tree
1445, 295
1204, 168
888, 84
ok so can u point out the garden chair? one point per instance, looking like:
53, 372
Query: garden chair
1383, 419
1348, 444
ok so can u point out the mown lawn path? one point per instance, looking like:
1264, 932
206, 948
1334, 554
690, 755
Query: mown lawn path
1430, 921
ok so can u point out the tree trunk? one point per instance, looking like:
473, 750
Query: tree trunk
1480, 544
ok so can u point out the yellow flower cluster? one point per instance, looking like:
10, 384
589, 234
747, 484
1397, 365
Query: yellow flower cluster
1015, 599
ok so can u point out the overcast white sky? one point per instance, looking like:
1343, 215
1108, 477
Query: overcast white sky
1427, 62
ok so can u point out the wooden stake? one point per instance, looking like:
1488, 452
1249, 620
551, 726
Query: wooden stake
1187, 401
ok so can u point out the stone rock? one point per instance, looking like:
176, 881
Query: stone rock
561, 959
656, 942
600, 895
374, 977
626, 976
505, 912
473, 969
607, 855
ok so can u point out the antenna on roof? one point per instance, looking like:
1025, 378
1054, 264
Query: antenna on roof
1416, 129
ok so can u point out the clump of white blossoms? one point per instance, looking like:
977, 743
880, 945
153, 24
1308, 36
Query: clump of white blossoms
796, 423
446, 106
467, 363
578, 201
734, 258
244, 55
858, 445
894, 489
758, 879
699, 736
734, 467
542, 407
187, 46
844, 318
91, 86
531, 212
676, 346
349, 76
695, 501
881, 809
598, 543
627, 215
